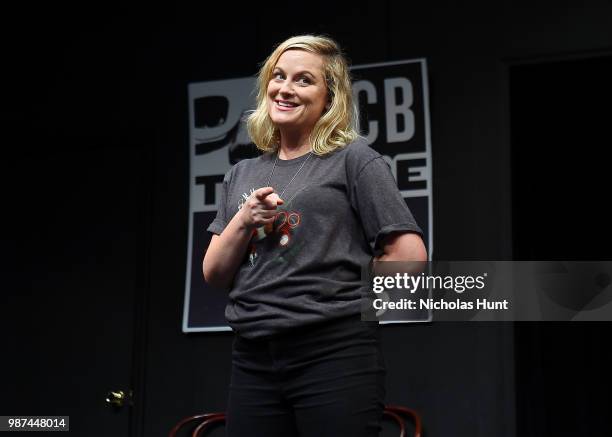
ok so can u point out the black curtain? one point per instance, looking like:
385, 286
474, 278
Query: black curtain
560, 117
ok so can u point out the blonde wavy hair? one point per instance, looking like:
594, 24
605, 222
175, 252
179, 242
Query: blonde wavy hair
337, 127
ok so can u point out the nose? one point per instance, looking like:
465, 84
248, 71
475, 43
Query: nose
286, 88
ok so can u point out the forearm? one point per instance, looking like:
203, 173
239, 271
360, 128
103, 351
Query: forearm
225, 253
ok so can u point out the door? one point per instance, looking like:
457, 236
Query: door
75, 300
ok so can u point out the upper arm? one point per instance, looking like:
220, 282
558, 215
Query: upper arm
382, 210
213, 239
211, 247
403, 246
222, 218
213, 242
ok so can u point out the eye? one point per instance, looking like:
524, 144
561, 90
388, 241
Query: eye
277, 76
303, 80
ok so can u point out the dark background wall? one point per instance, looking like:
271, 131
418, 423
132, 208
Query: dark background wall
97, 168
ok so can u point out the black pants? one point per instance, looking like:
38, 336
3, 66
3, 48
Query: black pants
322, 380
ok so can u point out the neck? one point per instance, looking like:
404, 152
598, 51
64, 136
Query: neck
293, 145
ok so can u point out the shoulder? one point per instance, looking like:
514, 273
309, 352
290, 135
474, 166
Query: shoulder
360, 152
253, 162
356, 156
246, 166
357, 149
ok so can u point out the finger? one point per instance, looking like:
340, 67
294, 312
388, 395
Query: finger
264, 221
262, 193
267, 213
273, 200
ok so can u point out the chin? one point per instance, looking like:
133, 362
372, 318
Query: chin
282, 121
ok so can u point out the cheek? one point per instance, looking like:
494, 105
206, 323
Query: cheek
271, 90
319, 101
271, 93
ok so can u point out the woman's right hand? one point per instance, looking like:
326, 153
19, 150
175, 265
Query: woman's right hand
226, 251
260, 208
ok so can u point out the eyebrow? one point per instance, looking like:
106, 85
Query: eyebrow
299, 72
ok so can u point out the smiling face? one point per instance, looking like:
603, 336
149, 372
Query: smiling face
297, 92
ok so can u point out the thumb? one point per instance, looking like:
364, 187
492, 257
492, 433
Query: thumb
273, 198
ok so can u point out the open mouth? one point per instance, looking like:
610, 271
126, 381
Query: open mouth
284, 105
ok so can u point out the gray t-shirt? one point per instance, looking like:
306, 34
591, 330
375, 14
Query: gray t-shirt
307, 268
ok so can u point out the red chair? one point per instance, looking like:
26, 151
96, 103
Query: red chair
206, 421
397, 413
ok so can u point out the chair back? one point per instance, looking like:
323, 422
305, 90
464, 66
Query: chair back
205, 422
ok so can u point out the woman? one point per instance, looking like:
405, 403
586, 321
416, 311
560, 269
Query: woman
294, 229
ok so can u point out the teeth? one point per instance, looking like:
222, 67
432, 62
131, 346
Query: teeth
288, 105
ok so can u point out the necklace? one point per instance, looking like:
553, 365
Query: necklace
296, 173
